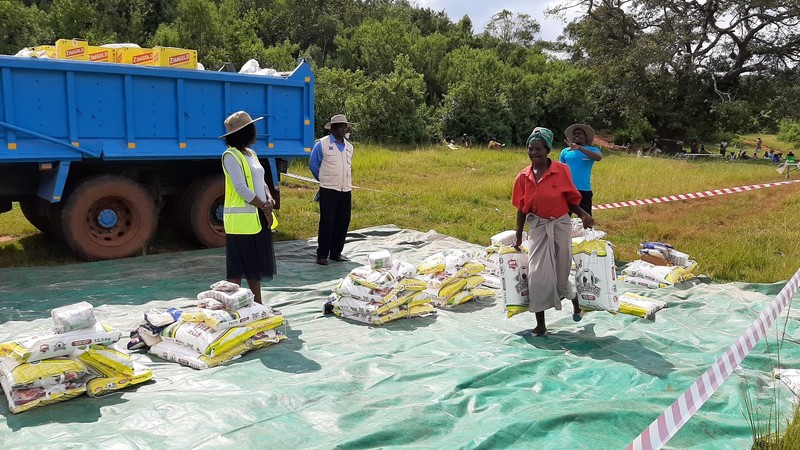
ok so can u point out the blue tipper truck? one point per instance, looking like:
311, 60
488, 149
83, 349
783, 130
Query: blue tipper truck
96, 152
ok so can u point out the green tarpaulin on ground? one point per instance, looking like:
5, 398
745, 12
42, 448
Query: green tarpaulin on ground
459, 379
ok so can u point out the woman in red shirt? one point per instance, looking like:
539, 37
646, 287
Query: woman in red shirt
544, 194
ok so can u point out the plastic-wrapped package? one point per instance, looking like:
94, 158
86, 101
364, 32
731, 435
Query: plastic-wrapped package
36, 348
223, 319
73, 317
380, 260
644, 282
640, 306
445, 259
20, 400
225, 286
101, 356
230, 300
41, 374
110, 381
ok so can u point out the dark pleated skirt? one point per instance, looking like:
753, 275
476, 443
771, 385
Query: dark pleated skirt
251, 255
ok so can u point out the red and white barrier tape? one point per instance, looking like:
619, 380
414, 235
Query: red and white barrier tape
311, 180
674, 417
680, 197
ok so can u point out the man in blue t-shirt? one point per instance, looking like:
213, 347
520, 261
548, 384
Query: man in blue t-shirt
580, 156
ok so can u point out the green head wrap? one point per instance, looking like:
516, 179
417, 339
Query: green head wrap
541, 134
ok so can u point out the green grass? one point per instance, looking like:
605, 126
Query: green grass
466, 193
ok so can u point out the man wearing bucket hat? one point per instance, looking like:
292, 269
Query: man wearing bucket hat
580, 156
331, 163
247, 213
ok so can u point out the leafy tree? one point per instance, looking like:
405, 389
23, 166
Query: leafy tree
22, 27
724, 39
513, 29
335, 92
373, 46
393, 108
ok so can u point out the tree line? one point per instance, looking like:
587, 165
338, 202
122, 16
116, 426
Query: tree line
406, 74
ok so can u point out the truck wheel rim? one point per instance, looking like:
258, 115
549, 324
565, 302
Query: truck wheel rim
107, 218
111, 221
215, 216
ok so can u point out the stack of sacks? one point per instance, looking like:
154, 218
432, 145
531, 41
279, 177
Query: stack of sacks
514, 277
490, 256
661, 266
381, 292
110, 370
225, 325
595, 275
452, 278
48, 368
640, 306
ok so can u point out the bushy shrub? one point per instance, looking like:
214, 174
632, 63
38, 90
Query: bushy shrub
789, 131
635, 130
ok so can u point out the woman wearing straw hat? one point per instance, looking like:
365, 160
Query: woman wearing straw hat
249, 252
580, 156
544, 195
331, 163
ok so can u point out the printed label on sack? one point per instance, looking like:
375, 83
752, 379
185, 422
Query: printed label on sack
143, 58
587, 284
74, 52
179, 59
99, 56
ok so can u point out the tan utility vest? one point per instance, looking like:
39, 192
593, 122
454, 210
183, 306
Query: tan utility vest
334, 172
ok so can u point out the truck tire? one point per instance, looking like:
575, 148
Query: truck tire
202, 210
37, 211
108, 217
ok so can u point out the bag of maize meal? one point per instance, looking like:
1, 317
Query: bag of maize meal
514, 278
596, 276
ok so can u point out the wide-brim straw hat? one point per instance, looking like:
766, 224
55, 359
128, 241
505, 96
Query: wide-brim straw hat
587, 130
339, 118
237, 121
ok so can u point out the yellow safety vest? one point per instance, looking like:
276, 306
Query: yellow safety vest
239, 217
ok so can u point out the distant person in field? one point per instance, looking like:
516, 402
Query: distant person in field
723, 147
790, 157
495, 144
580, 156
758, 148
543, 196
465, 140
693, 146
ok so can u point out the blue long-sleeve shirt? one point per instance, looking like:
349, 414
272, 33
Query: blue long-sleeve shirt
316, 156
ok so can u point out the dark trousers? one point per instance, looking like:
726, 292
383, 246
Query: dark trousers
334, 219
586, 201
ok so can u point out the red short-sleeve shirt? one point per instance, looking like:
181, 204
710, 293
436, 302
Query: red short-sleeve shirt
550, 197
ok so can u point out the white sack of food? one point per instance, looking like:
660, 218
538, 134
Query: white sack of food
514, 280
640, 306
36, 348
381, 259
596, 276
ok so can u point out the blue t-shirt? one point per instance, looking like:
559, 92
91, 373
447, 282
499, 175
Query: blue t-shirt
580, 165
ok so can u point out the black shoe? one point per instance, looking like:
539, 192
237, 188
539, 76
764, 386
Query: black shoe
322, 261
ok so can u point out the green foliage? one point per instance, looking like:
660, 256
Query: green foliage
628, 70
635, 131
789, 131
22, 27
392, 107
374, 45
